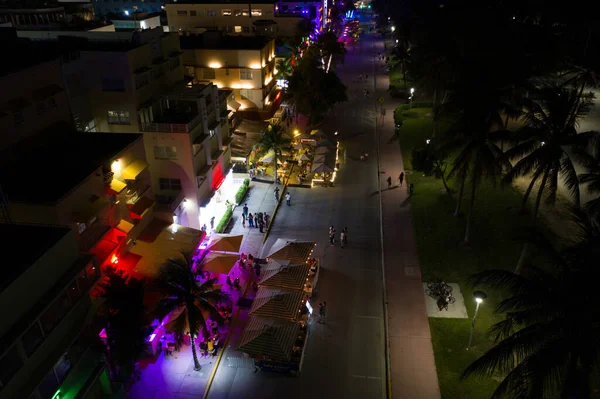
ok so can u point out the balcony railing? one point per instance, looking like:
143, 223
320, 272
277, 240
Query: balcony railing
172, 127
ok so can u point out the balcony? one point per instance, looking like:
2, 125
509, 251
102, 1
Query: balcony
172, 127
168, 203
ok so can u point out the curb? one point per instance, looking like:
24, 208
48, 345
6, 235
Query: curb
277, 206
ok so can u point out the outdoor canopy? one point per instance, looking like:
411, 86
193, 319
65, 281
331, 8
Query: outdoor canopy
296, 251
321, 168
322, 150
219, 263
284, 274
318, 133
277, 302
302, 157
269, 337
325, 143
268, 157
225, 243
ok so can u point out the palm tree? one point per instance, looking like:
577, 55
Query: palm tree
547, 345
284, 68
274, 139
330, 49
548, 141
187, 300
591, 178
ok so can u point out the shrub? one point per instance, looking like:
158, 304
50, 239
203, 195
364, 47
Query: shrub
422, 160
224, 220
241, 193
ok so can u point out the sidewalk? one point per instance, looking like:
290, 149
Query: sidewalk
413, 372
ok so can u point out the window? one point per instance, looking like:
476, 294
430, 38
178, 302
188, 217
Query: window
246, 29
32, 338
257, 13
226, 13
118, 118
208, 73
237, 13
162, 152
190, 70
237, 29
113, 84
10, 365
181, 12
211, 13
169, 184
245, 12
193, 13
81, 227
246, 74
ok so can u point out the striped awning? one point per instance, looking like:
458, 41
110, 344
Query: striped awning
277, 302
284, 274
296, 251
269, 337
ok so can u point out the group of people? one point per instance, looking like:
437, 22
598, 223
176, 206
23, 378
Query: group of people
257, 220
400, 180
288, 196
343, 236
364, 155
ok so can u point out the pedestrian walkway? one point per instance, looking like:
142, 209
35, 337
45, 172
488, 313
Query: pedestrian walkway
413, 372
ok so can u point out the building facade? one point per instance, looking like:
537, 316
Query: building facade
245, 65
110, 8
46, 345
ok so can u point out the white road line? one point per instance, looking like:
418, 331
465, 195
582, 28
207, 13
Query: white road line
369, 317
367, 377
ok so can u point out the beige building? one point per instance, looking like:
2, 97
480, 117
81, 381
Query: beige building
46, 339
245, 65
33, 97
187, 145
101, 188
118, 75
256, 17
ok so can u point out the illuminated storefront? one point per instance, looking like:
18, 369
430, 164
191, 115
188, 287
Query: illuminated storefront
224, 193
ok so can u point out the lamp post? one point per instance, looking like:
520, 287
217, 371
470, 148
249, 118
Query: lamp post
479, 297
412, 94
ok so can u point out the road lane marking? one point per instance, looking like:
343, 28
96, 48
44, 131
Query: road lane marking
369, 317
367, 377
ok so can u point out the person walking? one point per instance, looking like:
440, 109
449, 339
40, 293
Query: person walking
276, 193
256, 219
401, 178
266, 220
261, 224
250, 220
243, 220
342, 238
212, 223
245, 210
331, 236
345, 235
389, 181
288, 199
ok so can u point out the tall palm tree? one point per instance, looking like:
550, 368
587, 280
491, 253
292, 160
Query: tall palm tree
547, 345
331, 49
187, 299
274, 139
284, 68
546, 147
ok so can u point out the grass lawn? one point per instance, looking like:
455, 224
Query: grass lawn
443, 256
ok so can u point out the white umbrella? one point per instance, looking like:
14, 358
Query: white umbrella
321, 168
302, 157
319, 158
268, 157
325, 143
322, 150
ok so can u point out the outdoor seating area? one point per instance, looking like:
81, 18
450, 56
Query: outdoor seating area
276, 334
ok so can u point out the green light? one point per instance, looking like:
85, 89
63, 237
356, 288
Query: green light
56, 395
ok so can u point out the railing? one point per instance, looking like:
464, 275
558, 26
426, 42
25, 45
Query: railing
172, 127
92, 235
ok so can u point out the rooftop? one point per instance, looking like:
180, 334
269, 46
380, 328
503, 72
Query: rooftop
28, 4
30, 53
48, 171
223, 42
20, 236
136, 16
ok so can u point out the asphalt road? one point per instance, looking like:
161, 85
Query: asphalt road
345, 357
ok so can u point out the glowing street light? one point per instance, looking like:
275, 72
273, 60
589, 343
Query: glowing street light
479, 297
126, 12
412, 94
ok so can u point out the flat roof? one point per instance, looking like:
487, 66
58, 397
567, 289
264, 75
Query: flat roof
37, 239
136, 16
224, 42
45, 173
27, 53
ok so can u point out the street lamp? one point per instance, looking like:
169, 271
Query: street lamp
427, 141
412, 94
479, 297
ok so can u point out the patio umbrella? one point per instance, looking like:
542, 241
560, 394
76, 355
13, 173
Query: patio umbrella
301, 146
302, 157
225, 243
318, 133
319, 158
325, 143
321, 168
268, 157
322, 150
297, 251
219, 263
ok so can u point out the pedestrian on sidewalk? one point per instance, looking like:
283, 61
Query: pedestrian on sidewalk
389, 181
261, 224
331, 236
288, 199
345, 235
212, 223
245, 210
342, 238
401, 178
251, 220
266, 220
256, 220
276, 193
321, 311
243, 220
